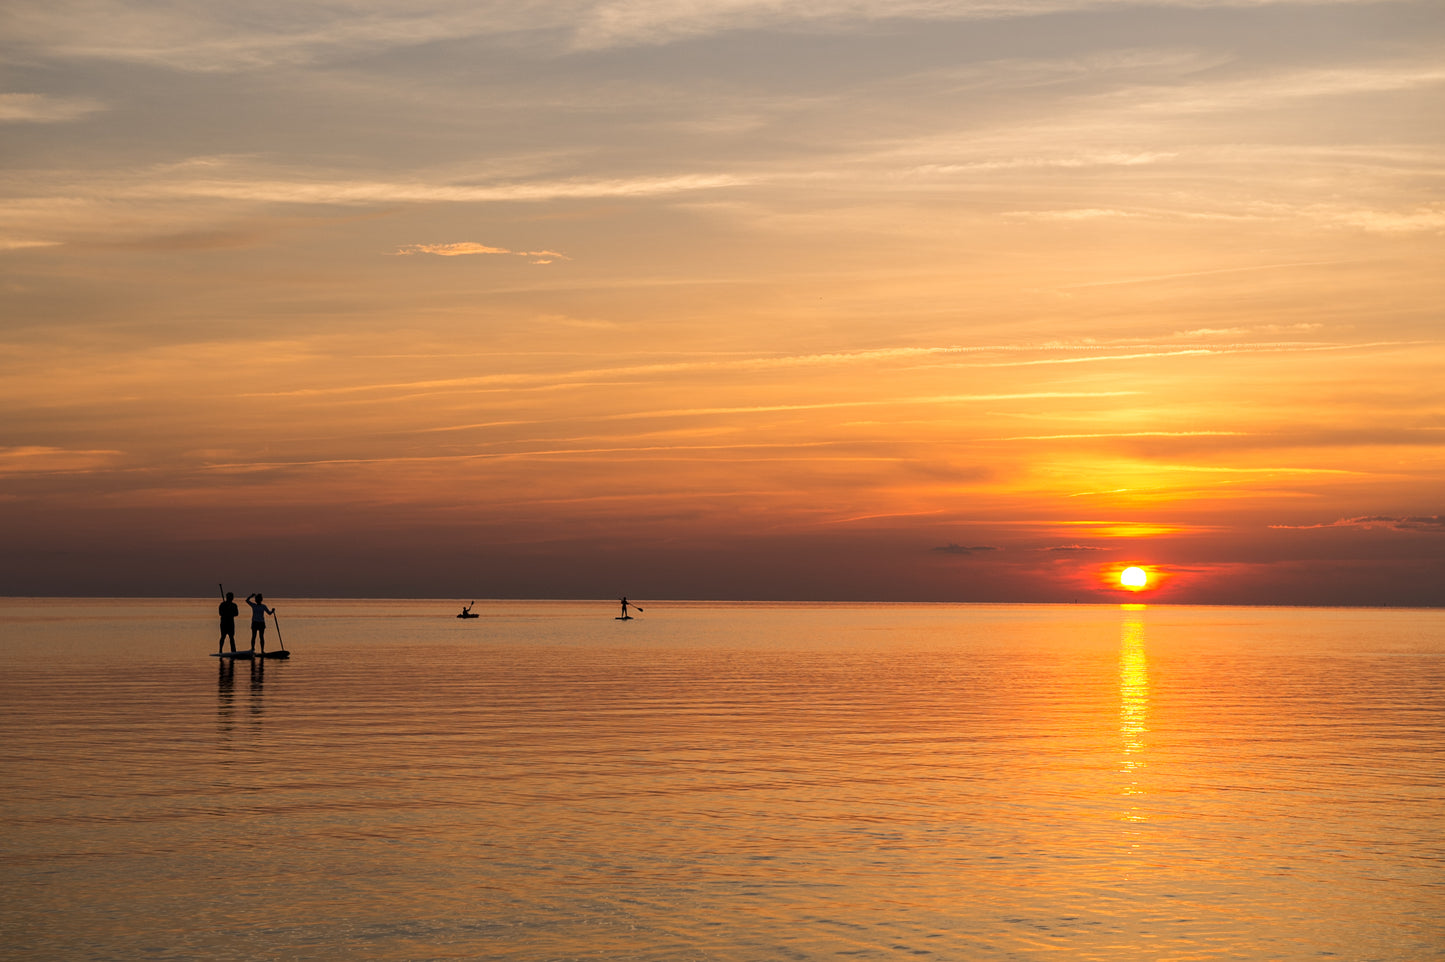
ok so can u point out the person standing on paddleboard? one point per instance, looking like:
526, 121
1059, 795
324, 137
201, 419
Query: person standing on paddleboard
228, 611
258, 620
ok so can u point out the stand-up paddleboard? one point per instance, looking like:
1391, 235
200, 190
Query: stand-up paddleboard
623, 618
283, 653
246, 655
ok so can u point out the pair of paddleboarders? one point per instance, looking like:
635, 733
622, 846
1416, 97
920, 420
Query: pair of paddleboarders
229, 610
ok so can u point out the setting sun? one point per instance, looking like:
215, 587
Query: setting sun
1134, 577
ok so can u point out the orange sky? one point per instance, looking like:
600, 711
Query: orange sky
934, 301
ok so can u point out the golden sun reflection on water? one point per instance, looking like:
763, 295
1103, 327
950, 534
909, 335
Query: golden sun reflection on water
1133, 700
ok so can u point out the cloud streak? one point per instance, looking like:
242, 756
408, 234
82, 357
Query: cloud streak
905, 354
1431, 523
209, 37
42, 109
958, 549
1120, 434
43, 459
674, 367
465, 248
359, 192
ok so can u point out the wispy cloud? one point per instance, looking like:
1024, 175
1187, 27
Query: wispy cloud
1078, 213
959, 549
465, 248
42, 459
1064, 161
1433, 523
1221, 469
1289, 85
705, 453
651, 22
1284, 347
1157, 278
1119, 434
1428, 218
127, 206
754, 363
18, 244
1075, 548
44, 109
633, 370
877, 402
356, 192
214, 37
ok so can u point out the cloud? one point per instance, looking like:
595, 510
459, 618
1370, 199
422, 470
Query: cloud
1156, 278
1432, 522
707, 453
610, 23
952, 548
1098, 159
43, 109
394, 192
42, 207
42, 459
18, 244
1075, 548
209, 36
1257, 348
198, 240
1387, 221
469, 247
1084, 213
1119, 434
215, 36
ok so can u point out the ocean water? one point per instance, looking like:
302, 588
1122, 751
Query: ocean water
723, 782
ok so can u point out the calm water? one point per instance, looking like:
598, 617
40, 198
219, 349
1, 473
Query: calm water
723, 782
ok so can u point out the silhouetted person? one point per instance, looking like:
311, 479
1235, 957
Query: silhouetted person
258, 620
625, 606
228, 611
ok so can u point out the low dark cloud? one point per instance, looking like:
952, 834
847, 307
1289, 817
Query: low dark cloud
951, 548
1076, 547
1432, 522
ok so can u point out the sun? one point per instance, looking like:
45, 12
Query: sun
1134, 578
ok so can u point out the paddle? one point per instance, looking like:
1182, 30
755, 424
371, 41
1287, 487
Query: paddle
277, 623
